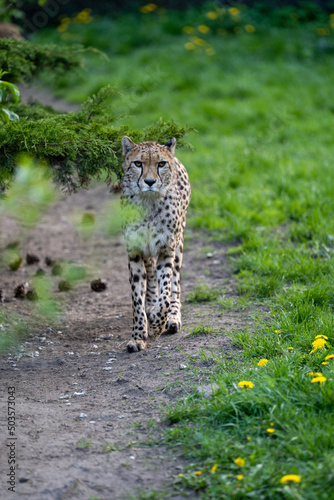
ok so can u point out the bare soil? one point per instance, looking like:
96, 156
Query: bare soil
86, 409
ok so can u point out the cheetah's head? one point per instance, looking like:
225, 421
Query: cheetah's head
147, 166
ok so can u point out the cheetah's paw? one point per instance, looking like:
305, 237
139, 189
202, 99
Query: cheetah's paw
173, 326
136, 345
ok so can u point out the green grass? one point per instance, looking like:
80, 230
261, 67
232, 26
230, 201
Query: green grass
83, 443
201, 330
261, 175
202, 293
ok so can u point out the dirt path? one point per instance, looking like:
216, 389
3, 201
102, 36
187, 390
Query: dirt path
84, 406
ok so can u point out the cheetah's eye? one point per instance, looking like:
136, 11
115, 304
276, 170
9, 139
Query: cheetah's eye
161, 164
138, 163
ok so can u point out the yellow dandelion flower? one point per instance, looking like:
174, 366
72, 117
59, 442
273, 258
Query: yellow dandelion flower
210, 51
318, 344
248, 438
330, 356
322, 31
321, 337
234, 11
290, 348
241, 476
320, 379
272, 424
214, 468
211, 15
246, 383
198, 472
180, 475
250, 29
150, 7
189, 46
324, 363
203, 29
239, 461
189, 30
198, 41
64, 24
84, 16
270, 430
277, 331
290, 477
315, 374
262, 362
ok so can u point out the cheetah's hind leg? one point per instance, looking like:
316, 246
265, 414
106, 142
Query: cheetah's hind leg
174, 323
152, 286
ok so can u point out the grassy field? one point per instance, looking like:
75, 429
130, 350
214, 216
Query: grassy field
261, 175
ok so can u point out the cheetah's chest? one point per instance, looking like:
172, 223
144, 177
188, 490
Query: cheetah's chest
152, 234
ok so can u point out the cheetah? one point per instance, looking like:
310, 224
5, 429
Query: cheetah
156, 189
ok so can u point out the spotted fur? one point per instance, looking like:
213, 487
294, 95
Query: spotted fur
156, 195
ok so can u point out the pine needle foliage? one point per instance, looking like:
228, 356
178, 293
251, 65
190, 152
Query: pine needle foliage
77, 146
23, 60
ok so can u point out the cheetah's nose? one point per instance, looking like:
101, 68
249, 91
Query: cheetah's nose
150, 182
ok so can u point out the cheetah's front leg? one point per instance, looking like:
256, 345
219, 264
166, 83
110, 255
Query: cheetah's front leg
138, 286
158, 315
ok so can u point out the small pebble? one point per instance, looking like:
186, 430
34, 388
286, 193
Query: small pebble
207, 390
82, 415
182, 367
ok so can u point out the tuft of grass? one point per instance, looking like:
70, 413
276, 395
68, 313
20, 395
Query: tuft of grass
201, 330
227, 304
16, 263
108, 447
202, 293
83, 443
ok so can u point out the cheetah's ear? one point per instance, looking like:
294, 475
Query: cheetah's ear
171, 145
127, 145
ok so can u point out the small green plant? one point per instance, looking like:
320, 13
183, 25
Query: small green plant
201, 330
5, 114
227, 304
202, 293
108, 447
83, 443
15, 263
